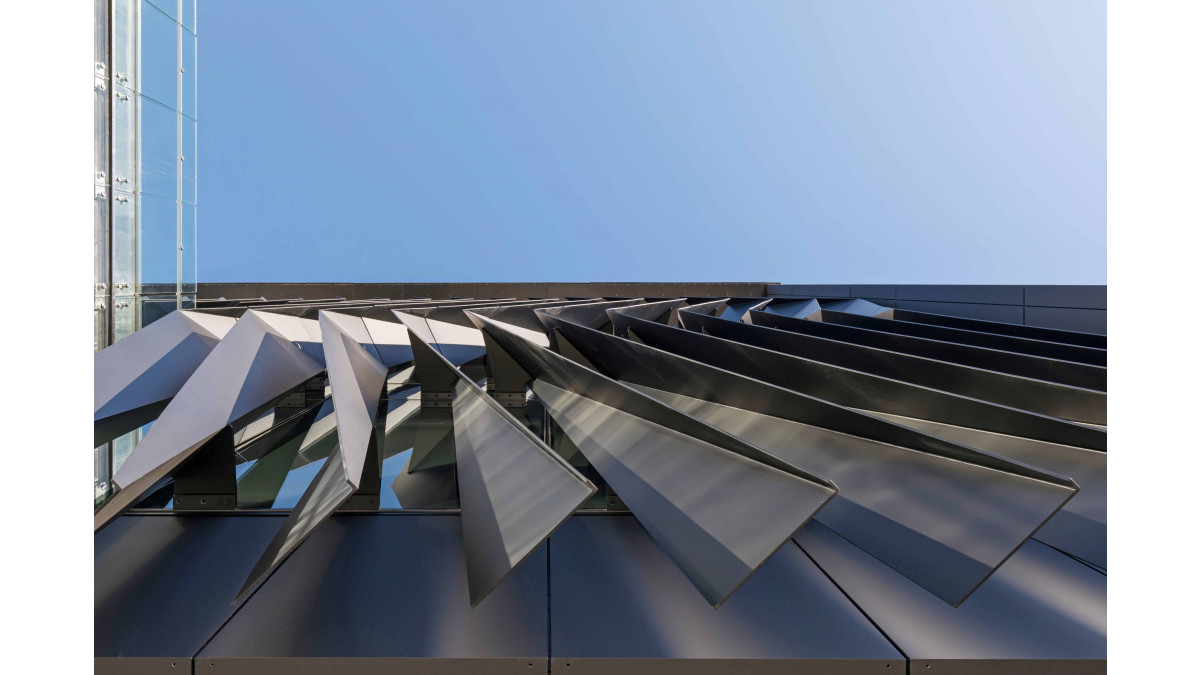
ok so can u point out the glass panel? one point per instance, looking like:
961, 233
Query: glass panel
124, 43
159, 150
168, 7
189, 15
189, 162
100, 473
124, 139
124, 243
124, 318
123, 446
157, 244
189, 75
189, 248
155, 307
159, 58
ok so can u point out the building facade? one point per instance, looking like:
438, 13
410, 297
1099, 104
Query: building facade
671, 478
145, 163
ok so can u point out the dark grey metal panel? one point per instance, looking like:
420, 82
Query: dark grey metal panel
136, 376
1081, 527
1040, 606
253, 364
1083, 339
1004, 313
810, 290
1080, 297
1009, 343
1047, 398
514, 490
370, 666
943, 514
857, 389
873, 291
133, 665
669, 481
1086, 320
664, 465
988, 294
943, 523
621, 606
163, 582
386, 586
1079, 375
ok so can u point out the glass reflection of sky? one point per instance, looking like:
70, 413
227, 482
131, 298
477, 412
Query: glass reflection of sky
392, 466
295, 484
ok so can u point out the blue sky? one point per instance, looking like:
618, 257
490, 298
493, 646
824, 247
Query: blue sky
943, 141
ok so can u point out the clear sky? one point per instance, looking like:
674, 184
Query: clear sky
941, 141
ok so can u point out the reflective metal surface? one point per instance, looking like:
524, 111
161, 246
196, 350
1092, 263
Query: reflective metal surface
1019, 345
357, 378
260, 362
385, 586
135, 377
1037, 367
1047, 398
666, 466
943, 514
1041, 608
844, 385
1031, 332
513, 489
621, 606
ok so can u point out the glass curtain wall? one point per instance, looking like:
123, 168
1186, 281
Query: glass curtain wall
145, 241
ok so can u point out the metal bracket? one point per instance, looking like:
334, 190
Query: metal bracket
208, 481
436, 399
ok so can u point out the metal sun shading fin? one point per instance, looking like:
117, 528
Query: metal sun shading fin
513, 489
1009, 343
259, 357
929, 368
1064, 448
800, 309
1070, 337
717, 505
356, 377
137, 376
856, 306
1080, 375
943, 514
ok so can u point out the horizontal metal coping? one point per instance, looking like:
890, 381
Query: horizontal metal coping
1064, 296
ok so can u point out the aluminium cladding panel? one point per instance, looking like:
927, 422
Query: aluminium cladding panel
377, 593
163, 585
1083, 339
1080, 528
1067, 318
1041, 612
1001, 313
621, 606
970, 336
1079, 375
